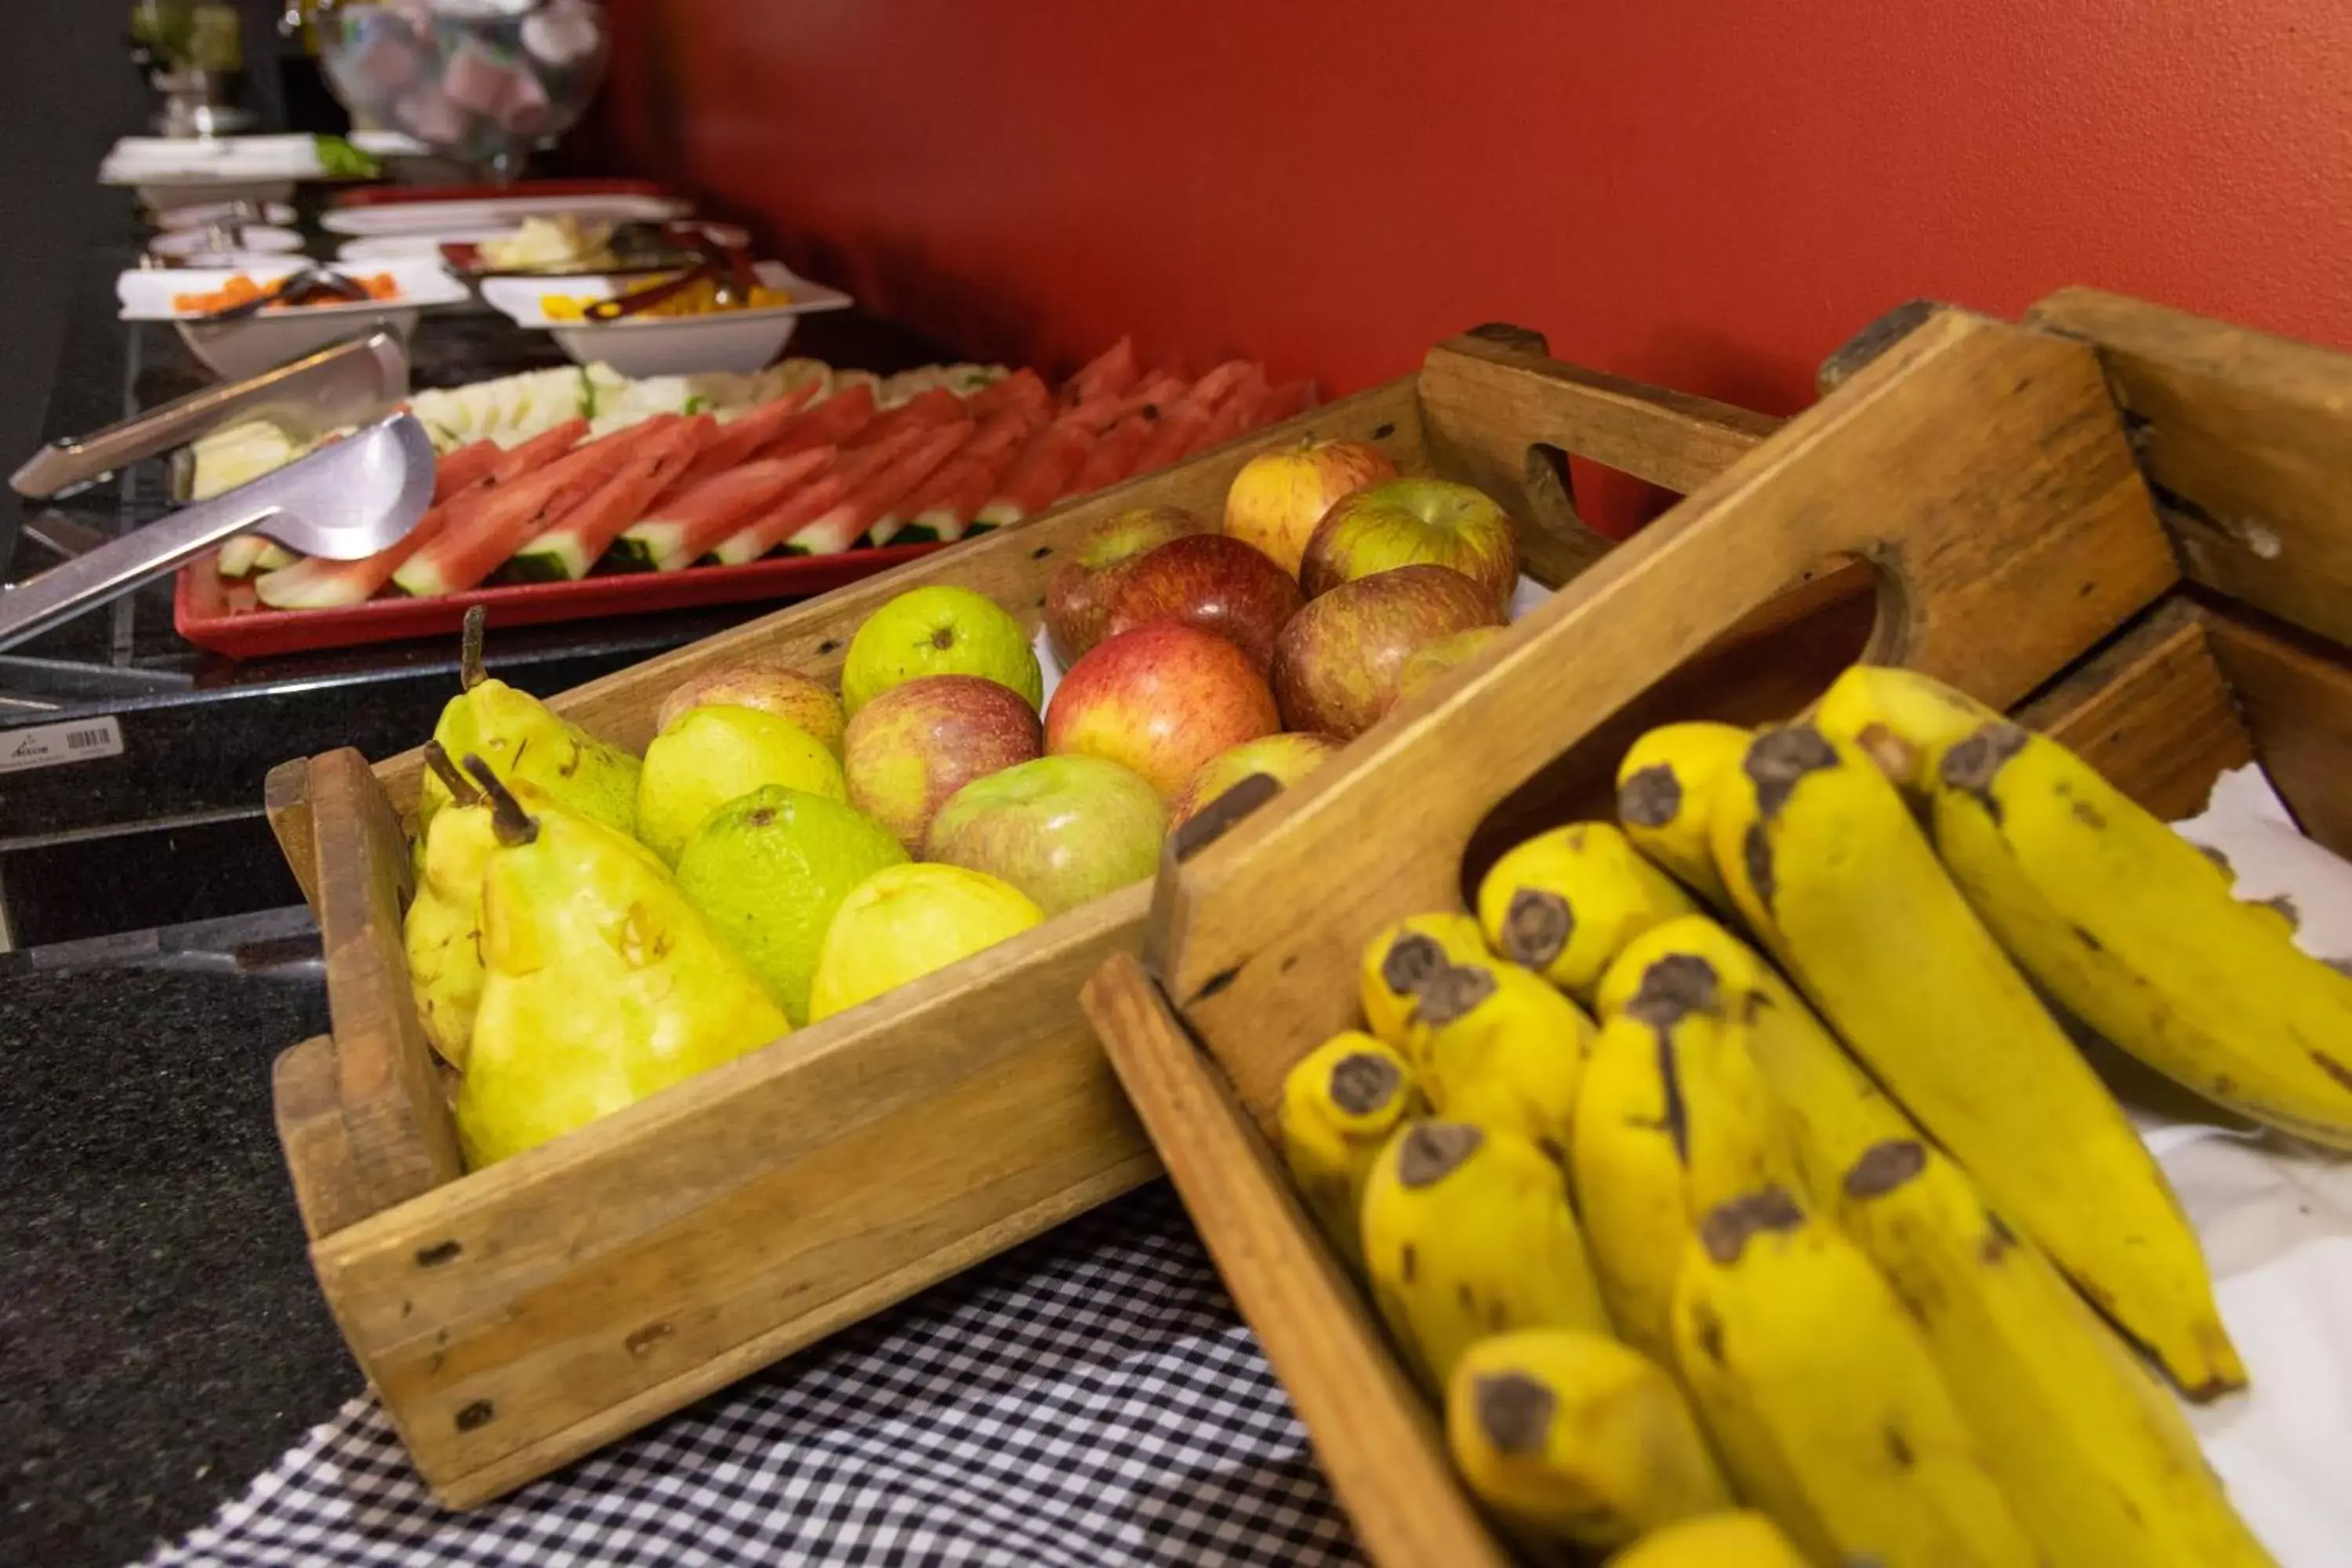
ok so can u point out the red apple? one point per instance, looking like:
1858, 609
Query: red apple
1286, 759
1078, 596
909, 749
1280, 496
1337, 664
1425, 664
1413, 522
1161, 700
1063, 830
1212, 582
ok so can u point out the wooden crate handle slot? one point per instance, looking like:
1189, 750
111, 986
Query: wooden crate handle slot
1977, 466
1374, 1434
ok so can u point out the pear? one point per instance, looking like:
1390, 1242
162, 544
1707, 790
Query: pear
769, 870
712, 755
601, 984
528, 745
443, 929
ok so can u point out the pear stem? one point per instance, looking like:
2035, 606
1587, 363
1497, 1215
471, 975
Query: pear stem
461, 788
514, 825
470, 670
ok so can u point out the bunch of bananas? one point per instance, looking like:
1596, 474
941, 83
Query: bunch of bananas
1841, 1254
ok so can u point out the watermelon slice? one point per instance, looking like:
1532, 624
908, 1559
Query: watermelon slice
1023, 389
1159, 390
953, 498
736, 442
459, 469
829, 424
990, 450
851, 467
250, 552
1211, 390
1238, 414
1108, 374
575, 541
929, 411
676, 532
844, 523
1289, 402
1043, 471
470, 549
1114, 454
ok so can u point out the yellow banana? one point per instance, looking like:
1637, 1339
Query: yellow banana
1339, 1105
1899, 719
1500, 1047
2098, 1462
1824, 861
1569, 1438
1402, 959
1467, 1232
1628, 1180
1565, 901
1664, 787
1742, 1540
1823, 1401
1829, 1110
2132, 929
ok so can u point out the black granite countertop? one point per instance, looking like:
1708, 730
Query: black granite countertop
161, 1340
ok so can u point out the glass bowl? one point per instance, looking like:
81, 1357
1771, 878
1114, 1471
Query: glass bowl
481, 81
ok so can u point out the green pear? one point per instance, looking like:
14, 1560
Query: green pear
715, 753
769, 870
442, 929
601, 985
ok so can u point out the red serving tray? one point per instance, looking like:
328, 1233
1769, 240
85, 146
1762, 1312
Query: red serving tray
214, 612
387, 195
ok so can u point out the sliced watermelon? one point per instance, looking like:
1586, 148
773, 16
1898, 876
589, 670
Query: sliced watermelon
829, 424
1238, 414
471, 548
844, 523
1289, 402
1108, 374
250, 552
460, 469
990, 450
573, 543
737, 441
1170, 439
1114, 454
676, 532
1211, 390
1042, 471
927, 411
1158, 390
954, 497
851, 467
1023, 389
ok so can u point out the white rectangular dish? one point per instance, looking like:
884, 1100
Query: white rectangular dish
665, 345
239, 349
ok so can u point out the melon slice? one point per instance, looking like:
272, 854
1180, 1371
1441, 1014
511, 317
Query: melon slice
737, 441
678, 528
1041, 472
851, 467
1109, 373
461, 469
990, 450
846, 522
575, 541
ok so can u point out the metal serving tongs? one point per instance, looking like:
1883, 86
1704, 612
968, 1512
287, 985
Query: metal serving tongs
343, 502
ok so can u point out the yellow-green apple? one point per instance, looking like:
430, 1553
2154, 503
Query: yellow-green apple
911, 748
1413, 522
769, 686
1079, 594
1337, 662
1286, 759
1062, 829
1161, 700
1215, 583
1425, 664
1280, 496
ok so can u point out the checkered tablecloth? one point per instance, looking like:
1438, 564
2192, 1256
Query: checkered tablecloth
1086, 1400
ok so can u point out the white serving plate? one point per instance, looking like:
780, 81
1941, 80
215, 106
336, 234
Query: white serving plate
371, 219
641, 346
236, 350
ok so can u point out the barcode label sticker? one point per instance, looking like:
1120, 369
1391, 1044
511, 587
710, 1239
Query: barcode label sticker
49, 745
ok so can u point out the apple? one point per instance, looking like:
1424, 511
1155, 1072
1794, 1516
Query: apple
1079, 595
911, 748
1063, 830
1413, 522
1425, 664
1214, 582
770, 687
1336, 664
1286, 759
1161, 700
1280, 496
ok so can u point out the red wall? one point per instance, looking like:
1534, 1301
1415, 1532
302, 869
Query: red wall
1702, 192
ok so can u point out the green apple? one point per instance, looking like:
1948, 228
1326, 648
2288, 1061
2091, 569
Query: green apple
939, 630
1413, 522
1062, 829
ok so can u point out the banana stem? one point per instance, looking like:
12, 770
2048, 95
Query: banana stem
461, 789
470, 670
514, 825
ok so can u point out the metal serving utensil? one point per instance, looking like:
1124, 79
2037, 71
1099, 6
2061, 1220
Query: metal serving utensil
343, 501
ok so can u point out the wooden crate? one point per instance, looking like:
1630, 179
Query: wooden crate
517, 1317
2132, 527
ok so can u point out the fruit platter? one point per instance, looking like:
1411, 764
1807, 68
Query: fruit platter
1696, 1131
683, 1017
568, 493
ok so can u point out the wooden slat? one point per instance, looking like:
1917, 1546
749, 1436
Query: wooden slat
1979, 466
2246, 440
539, 1307
2297, 701
286, 800
317, 1145
403, 1142
1374, 1434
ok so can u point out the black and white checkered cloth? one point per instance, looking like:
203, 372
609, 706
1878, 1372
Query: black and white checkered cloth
1088, 1401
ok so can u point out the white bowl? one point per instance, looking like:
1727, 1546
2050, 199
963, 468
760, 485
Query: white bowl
642, 346
236, 350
